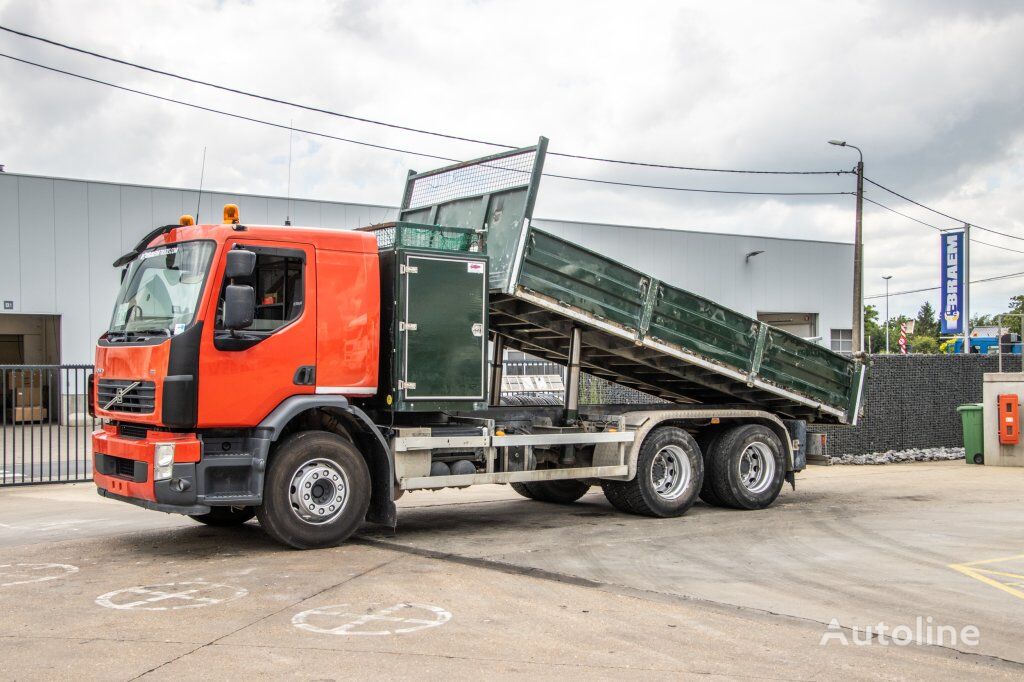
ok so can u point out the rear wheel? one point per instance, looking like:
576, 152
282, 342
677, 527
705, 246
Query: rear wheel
316, 492
226, 516
559, 492
669, 472
746, 467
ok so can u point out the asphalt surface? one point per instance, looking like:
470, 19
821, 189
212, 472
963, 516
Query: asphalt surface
483, 583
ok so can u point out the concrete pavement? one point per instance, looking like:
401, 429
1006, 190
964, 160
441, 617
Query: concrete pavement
482, 582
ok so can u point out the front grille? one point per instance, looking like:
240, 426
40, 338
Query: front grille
121, 467
132, 431
140, 399
124, 467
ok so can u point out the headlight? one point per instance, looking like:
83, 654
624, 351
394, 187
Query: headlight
163, 461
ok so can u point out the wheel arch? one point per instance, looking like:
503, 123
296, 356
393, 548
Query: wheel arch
335, 414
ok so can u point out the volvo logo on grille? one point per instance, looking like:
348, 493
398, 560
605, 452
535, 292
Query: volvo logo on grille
121, 393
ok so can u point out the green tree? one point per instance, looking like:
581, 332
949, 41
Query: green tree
926, 324
1016, 309
874, 335
925, 344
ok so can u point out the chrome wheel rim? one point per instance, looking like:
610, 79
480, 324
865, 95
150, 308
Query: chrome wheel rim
757, 467
319, 490
670, 472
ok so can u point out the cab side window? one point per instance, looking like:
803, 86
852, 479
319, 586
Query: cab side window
279, 282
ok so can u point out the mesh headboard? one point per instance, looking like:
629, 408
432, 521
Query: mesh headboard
494, 194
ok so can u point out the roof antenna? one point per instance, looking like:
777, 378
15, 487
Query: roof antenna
288, 196
202, 174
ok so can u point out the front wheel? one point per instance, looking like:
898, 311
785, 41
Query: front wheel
669, 473
316, 492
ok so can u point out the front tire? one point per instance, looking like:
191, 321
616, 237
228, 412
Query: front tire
225, 516
316, 492
747, 468
669, 473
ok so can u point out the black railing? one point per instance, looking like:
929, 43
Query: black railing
45, 427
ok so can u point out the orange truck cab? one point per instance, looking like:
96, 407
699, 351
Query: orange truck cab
191, 406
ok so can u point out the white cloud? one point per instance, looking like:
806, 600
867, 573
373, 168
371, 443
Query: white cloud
929, 90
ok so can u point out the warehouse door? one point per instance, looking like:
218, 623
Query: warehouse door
804, 325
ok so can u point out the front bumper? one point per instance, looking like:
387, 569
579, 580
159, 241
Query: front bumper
156, 506
207, 472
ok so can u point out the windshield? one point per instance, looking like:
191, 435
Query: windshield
160, 292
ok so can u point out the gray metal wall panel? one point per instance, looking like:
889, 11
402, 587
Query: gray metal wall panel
35, 202
104, 247
74, 274
10, 242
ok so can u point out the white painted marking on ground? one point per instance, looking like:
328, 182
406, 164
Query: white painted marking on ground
33, 573
399, 619
170, 596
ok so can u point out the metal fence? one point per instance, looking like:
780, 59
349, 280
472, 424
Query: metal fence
45, 427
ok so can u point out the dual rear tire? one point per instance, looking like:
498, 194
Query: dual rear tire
669, 474
745, 467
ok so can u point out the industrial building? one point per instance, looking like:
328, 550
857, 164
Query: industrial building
59, 237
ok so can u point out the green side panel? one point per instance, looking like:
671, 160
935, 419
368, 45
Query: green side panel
701, 326
721, 343
807, 368
583, 279
445, 354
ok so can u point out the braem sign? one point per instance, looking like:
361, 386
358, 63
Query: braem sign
952, 268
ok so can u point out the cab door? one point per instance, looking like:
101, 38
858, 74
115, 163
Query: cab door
244, 375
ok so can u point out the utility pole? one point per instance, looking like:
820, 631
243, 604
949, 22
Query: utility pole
858, 255
887, 278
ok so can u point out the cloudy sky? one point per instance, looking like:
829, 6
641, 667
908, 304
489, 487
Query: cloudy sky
930, 90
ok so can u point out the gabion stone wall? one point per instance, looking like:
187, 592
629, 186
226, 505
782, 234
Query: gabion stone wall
910, 401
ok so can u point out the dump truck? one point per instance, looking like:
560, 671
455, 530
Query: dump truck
311, 377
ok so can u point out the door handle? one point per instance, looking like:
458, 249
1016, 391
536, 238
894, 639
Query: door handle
305, 376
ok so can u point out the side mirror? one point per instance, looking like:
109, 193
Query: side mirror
240, 263
239, 306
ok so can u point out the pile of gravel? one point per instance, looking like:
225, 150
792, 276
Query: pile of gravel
900, 456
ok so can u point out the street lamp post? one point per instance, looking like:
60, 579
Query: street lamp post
887, 278
858, 258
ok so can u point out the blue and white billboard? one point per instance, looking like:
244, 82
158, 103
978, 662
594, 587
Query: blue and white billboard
952, 303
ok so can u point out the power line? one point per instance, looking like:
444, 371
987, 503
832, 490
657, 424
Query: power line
938, 212
387, 148
877, 203
396, 126
977, 281
681, 189
936, 227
